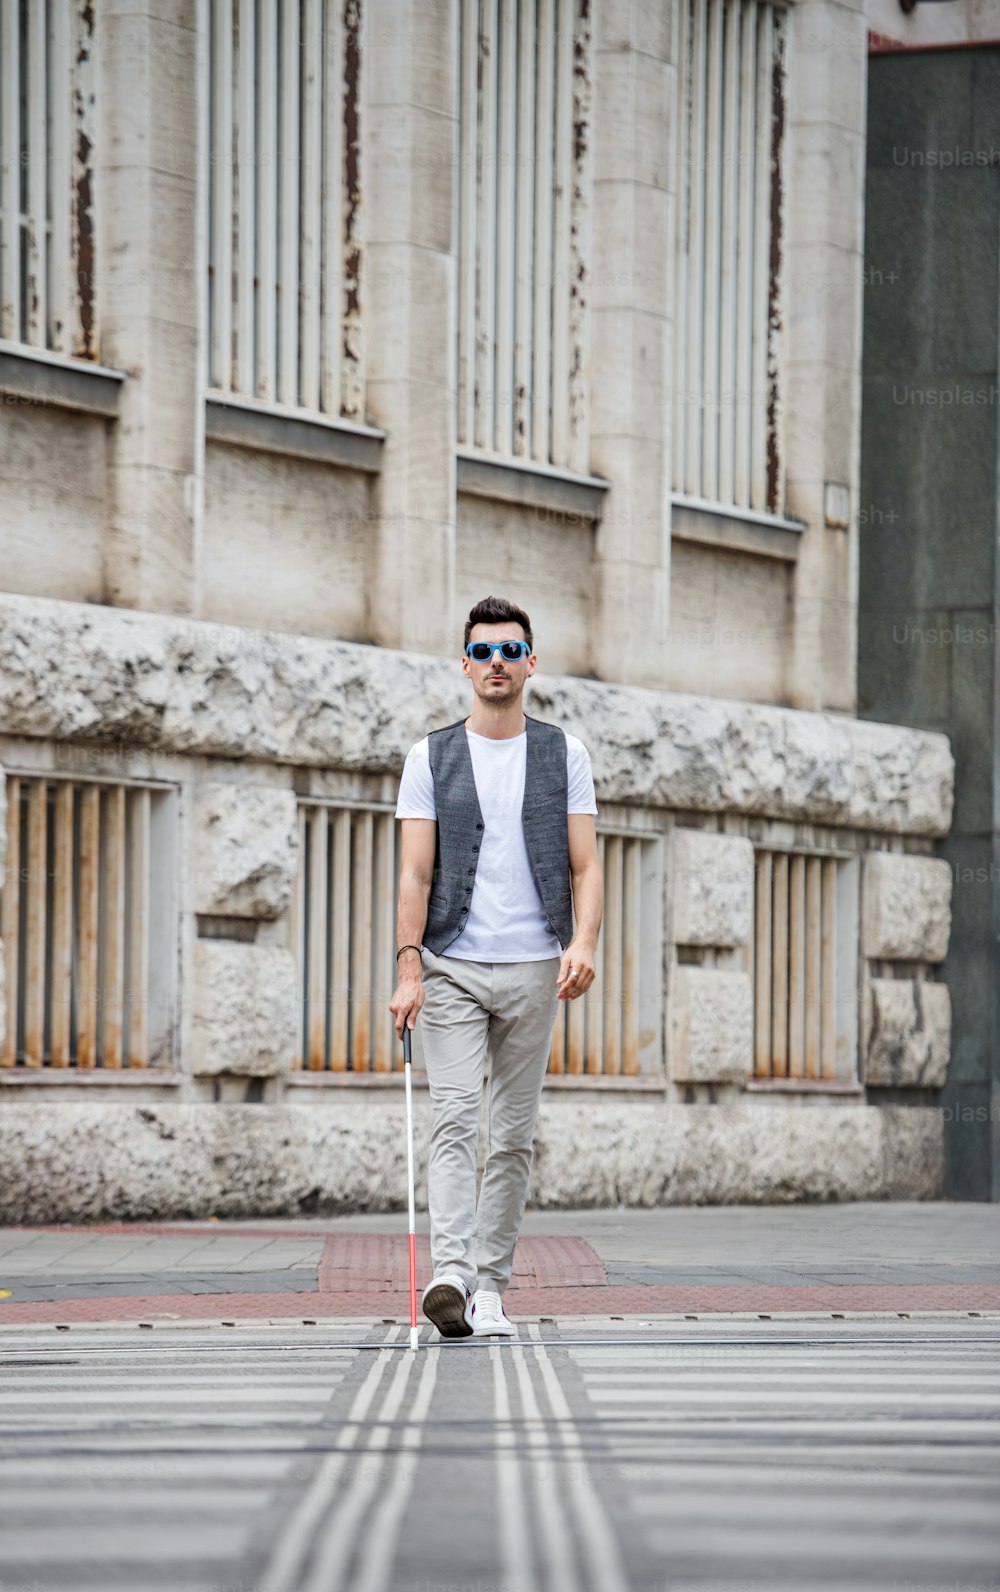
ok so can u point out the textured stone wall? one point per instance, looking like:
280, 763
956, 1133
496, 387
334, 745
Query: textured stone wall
70, 672
905, 927
120, 1162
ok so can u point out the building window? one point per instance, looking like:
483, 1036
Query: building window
47, 192
731, 247
524, 230
805, 967
88, 922
344, 938
615, 1030
285, 239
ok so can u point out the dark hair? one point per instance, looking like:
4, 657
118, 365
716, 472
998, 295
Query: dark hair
493, 611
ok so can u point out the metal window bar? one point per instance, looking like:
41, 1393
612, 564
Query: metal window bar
525, 229
75, 924
728, 306
343, 938
603, 1033
47, 192
795, 971
286, 248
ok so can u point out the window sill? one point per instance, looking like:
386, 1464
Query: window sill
842, 1086
533, 486
93, 1077
735, 530
616, 1082
297, 433
37, 376
324, 1079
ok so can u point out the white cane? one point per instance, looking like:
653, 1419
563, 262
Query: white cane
414, 1330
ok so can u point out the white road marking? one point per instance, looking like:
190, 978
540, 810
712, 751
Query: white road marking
602, 1554
514, 1525
379, 1554
283, 1567
331, 1557
554, 1531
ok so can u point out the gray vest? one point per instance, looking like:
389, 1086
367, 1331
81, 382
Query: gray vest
460, 830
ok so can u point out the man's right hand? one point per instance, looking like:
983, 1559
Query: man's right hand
407, 1001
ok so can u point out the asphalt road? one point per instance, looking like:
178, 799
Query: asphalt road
593, 1456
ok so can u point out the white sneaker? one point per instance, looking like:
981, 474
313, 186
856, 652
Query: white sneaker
444, 1301
487, 1317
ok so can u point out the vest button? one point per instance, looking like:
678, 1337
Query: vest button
479, 826
472, 870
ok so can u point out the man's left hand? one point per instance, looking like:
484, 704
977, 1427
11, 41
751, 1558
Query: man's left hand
576, 972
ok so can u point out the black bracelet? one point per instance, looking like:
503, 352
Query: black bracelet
403, 948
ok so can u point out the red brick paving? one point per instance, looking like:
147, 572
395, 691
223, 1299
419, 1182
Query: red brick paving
380, 1263
571, 1301
367, 1275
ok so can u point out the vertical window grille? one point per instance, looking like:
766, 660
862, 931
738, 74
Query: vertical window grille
344, 938
524, 230
78, 916
802, 972
728, 312
47, 190
285, 222
614, 1030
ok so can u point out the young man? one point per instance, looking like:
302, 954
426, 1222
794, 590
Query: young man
499, 846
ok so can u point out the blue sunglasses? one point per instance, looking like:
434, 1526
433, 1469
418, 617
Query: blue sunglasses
511, 650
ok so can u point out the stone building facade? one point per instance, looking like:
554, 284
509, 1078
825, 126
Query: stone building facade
575, 317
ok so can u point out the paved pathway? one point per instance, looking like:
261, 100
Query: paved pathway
869, 1258
591, 1456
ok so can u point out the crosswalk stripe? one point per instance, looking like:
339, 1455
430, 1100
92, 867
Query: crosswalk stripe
758, 1509
553, 1533
284, 1566
603, 1391
515, 1544
198, 1541
18, 1503
338, 1533
378, 1551
602, 1554
873, 1546
183, 1393
697, 1472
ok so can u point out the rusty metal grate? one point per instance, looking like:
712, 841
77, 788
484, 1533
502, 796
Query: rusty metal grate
48, 221
285, 215
343, 937
524, 229
614, 1029
804, 967
730, 260
76, 925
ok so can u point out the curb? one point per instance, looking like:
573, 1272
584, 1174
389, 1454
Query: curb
986, 1317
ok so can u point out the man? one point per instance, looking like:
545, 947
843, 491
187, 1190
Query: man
499, 846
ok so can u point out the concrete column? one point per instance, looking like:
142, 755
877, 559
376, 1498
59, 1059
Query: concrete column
151, 289
633, 133
824, 237
410, 158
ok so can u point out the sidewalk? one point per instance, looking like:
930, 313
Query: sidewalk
870, 1258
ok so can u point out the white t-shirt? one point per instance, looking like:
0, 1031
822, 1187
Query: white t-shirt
506, 921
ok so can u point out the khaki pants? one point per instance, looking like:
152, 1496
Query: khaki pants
507, 1009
